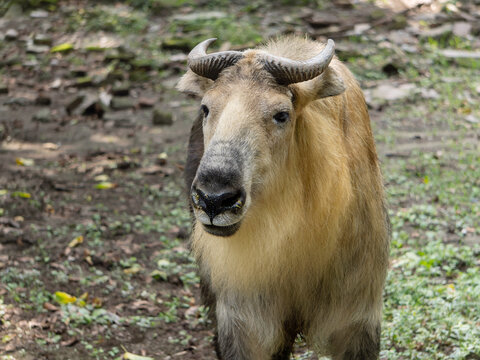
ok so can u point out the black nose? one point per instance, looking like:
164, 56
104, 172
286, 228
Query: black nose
214, 203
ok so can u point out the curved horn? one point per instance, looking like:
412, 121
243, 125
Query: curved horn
211, 65
287, 71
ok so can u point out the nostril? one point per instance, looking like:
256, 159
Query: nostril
231, 199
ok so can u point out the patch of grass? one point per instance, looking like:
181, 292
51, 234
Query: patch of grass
121, 20
227, 28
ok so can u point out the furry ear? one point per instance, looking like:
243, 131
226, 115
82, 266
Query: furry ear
193, 84
329, 83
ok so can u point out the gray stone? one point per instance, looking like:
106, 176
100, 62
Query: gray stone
11, 34
121, 103
161, 117
195, 16
42, 39
460, 54
462, 28
144, 102
39, 14
36, 49
121, 119
43, 116
121, 89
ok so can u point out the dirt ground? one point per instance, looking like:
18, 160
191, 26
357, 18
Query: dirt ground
92, 148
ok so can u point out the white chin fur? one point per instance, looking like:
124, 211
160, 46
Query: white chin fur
219, 220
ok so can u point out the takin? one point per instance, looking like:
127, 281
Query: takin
290, 229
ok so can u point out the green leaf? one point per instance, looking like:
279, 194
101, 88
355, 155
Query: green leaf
21, 194
62, 48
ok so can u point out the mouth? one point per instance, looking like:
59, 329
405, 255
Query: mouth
223, 231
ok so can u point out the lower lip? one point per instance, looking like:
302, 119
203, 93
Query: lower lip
223, 231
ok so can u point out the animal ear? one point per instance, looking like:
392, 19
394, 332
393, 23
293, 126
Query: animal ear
329, 83
194, 84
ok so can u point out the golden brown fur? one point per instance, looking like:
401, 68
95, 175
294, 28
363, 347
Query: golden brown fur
313, 244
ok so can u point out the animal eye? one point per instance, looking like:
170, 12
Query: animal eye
205, 110
281, 117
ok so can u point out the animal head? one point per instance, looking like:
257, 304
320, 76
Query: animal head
251, 102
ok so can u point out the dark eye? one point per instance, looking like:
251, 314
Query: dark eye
205, 110
281, 117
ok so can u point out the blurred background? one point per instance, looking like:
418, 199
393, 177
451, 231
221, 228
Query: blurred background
94, 260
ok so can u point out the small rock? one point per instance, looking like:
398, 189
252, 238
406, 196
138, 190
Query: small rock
199, 15
460, 54
121, 119
121, 103
401, 37
462, 28
472, 119
161, 117
429, 93
56, 83
121, 89
39, 14
105, 98
390, 92
43, 99
42, 39
146, 102
359, 29
43, 116
36, 49
11, 34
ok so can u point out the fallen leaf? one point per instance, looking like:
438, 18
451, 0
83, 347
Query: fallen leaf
159, 275
69, 342
97, 302
50, 146
50, 307
7, 338
24, 162
130, 356
3, 192
105, 185
64, 298
77, 241
62, 48
132, 270
21, 194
